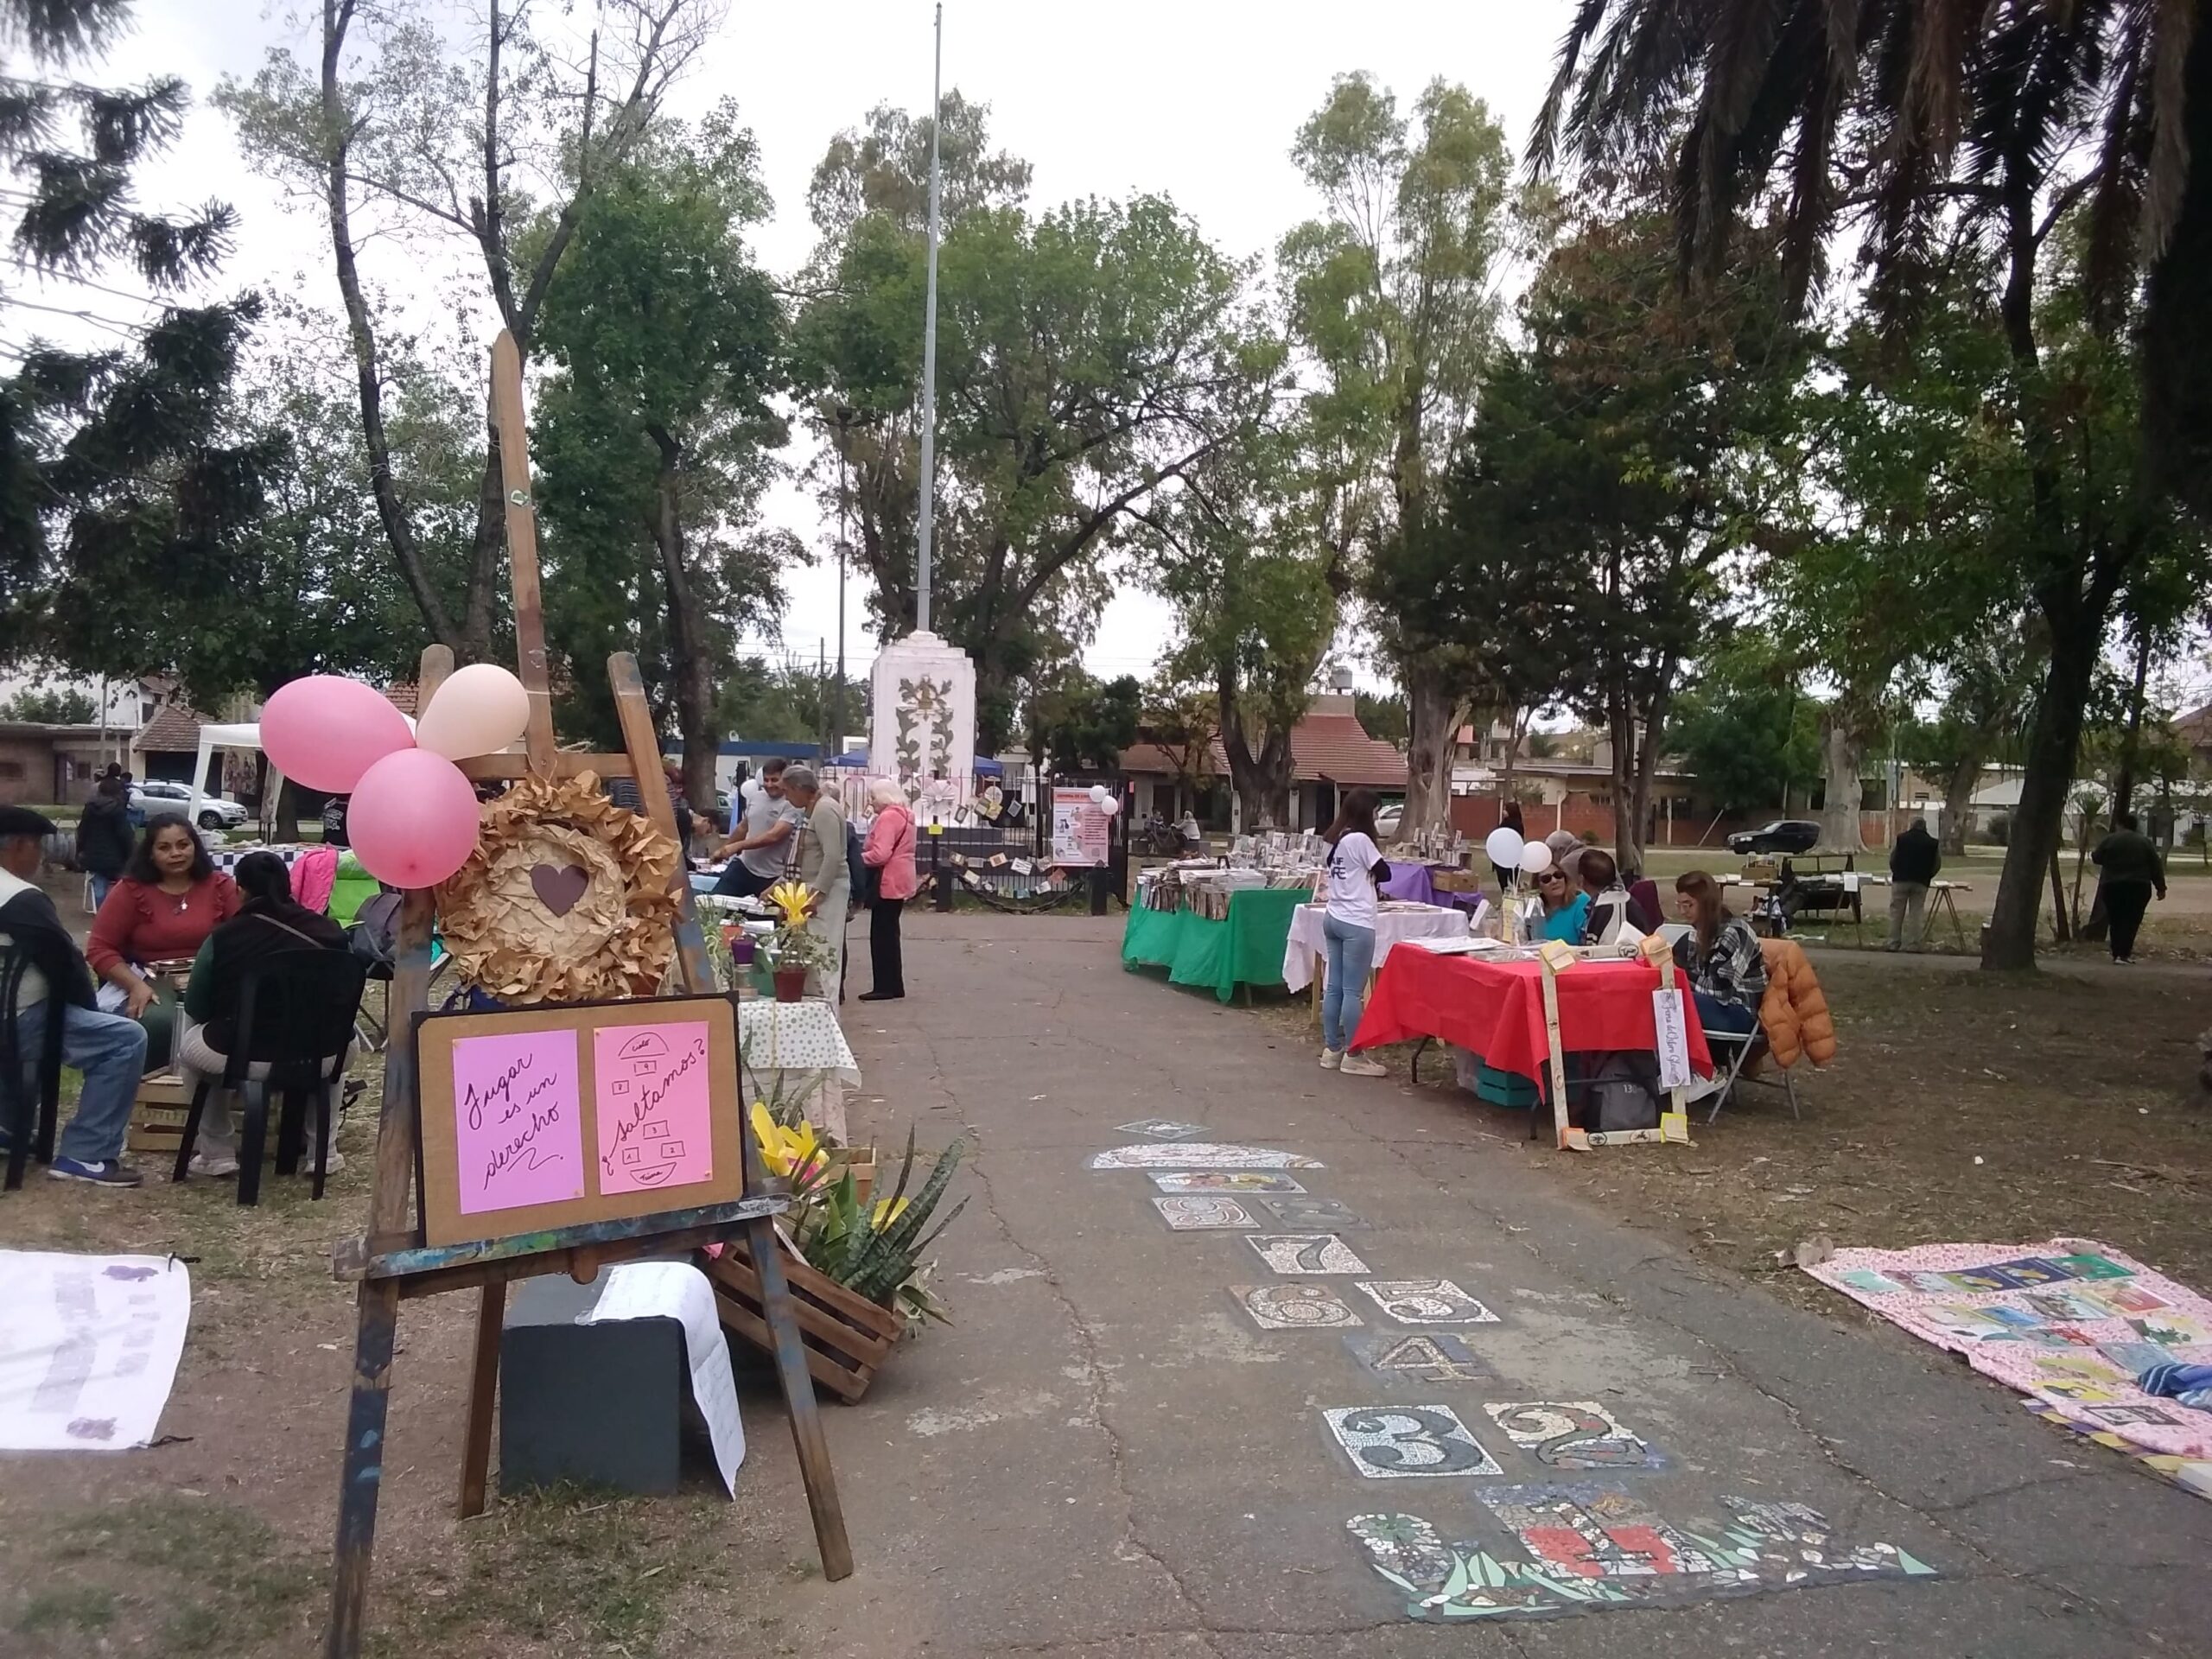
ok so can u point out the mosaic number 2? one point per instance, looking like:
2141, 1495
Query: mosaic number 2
1195, 1212
1292, 1253
1408, 1442
1593, 1548
1223, 1180
1325, 1214
1426, 1301
1294, 1307
1573, 1435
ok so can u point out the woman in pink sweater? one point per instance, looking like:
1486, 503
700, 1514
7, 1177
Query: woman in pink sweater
889, 851
170, 897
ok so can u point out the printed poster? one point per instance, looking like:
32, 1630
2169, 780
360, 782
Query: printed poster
517, 1112
656, 1126
1080, 833
88, 1348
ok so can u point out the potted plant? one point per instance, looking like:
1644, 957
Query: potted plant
790, 950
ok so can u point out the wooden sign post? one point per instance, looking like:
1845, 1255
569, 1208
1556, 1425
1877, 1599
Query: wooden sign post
401, 1259
1674, 1123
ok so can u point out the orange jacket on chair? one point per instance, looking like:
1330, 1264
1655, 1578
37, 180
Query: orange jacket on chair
1794, 1013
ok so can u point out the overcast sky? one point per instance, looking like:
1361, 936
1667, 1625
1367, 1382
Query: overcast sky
1195, 98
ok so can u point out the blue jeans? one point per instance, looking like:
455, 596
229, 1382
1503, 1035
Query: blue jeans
110, 1051
101, 886
1352, 959
1714, 1014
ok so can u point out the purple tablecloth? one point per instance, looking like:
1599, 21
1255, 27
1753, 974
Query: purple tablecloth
1417, 882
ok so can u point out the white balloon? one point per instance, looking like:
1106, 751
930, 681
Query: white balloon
479, 710
1098, 795
1536, 858
1110, 806
1505, 847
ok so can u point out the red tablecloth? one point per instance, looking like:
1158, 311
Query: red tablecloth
1497, 1008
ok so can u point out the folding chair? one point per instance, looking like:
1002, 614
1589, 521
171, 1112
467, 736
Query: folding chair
1731, 1052
29, 1105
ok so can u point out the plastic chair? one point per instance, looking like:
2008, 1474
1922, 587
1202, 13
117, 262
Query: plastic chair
30, 1117
296, 1017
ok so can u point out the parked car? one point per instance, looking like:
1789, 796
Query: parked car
1783, 836
215, 813
1387, 819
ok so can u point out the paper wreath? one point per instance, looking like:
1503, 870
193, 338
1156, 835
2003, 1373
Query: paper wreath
565, 900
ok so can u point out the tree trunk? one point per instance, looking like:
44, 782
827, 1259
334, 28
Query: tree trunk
1432, 723
2038, 823
1630, 856
2123, 785
1958, 801
1620, 730
691, 666
1262, 780
1841, 752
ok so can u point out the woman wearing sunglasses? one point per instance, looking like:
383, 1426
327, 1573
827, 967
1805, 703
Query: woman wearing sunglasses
1565, 911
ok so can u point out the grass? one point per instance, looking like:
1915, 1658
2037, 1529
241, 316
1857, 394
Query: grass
83, 1607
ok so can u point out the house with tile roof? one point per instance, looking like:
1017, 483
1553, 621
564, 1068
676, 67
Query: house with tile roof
1331, 752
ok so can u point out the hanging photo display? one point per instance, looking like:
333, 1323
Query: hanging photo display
534, 1118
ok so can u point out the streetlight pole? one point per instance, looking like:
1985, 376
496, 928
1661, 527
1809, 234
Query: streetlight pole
929, 354
843, 417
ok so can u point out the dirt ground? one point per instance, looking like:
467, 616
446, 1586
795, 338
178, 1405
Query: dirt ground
1961, 1107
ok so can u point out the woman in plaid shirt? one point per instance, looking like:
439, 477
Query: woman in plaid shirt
1721, 954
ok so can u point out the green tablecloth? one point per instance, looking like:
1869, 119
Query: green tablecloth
1247, 949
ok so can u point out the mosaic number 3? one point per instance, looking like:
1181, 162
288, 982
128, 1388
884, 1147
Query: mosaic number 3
1193, 1213
1294, 1307
1292, 1253
1408, 1442
1426, 1301
1573, 1435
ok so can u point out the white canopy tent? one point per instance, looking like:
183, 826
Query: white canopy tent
214, 737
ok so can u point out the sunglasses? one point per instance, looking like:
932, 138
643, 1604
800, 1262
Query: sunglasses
1555, 879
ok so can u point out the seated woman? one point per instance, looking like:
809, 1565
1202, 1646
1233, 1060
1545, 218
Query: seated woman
170, 897
271, 922
1722, 956
1564, 916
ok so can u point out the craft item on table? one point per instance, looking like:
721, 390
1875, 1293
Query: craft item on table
88, 1348
2089, 1367
565, 900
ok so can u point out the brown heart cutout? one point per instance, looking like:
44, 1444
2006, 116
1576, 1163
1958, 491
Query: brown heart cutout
558, 886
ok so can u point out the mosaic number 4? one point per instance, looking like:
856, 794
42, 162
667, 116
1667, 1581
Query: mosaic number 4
1408, 1442
1294, 1307
1423, 1360
1318, 1213
1573, 1435
1199, 1155
1195, 1212
1426, 1301
1224, 1180
1294, 1253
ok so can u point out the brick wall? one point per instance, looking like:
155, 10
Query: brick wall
26, 771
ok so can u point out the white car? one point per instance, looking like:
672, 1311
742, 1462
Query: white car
1387, 819
215, 812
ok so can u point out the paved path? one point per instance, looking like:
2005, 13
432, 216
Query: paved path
1106, 1456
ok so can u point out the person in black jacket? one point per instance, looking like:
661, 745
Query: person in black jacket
104, 837
271, 923
108, 1049
2128, 868
1914, 861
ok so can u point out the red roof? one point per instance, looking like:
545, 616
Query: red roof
1331, 748
175, 729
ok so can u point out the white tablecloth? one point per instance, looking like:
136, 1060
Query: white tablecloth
1395, 922
797, 1051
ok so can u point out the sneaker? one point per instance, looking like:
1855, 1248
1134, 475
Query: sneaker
1358, 1066
108, 1173
331, 1164
221, 1164
1332, 1058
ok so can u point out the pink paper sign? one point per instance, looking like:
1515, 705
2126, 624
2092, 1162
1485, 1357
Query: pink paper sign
655, 1125
517, 1120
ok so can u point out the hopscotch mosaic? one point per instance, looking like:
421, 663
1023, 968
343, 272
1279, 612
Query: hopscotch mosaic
1295, 1307
1591, 1547
1423, 1360
1161, 1129
1294, 1253
1224, 1180
1573, 1435
1318, 1213
1196, 1213
1426, 1301
1200, 1154
1408, 1442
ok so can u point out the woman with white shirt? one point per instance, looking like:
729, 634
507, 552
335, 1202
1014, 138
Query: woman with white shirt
1355, 872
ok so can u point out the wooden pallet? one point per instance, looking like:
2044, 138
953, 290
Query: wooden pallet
157, 1116
846, 1336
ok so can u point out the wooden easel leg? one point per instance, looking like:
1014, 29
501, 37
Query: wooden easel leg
798, 1400
483, 1388
363, 1480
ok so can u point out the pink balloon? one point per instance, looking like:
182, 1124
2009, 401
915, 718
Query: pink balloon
413, 819
324, 732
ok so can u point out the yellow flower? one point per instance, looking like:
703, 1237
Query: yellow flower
794, 898
789, 1153
886, 1212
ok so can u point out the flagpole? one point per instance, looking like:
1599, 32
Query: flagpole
928, 355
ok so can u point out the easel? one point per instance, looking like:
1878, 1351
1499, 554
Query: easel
390, 1264
1674, 1123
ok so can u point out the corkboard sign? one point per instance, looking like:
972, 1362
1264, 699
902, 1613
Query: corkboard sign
556, 1117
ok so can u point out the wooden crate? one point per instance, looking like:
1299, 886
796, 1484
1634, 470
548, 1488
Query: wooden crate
861, 1161
157, 1116
846, 1336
